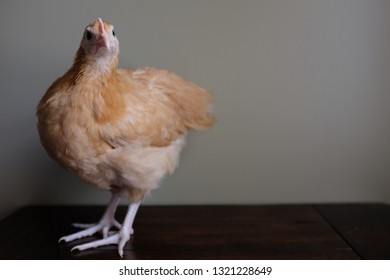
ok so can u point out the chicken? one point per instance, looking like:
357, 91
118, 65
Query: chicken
120, 130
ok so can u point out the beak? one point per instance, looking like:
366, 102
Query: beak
103, 40
100, 26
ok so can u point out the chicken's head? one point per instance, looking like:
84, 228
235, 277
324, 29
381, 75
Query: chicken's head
99, 41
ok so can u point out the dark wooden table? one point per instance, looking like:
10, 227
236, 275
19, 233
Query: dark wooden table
329, 231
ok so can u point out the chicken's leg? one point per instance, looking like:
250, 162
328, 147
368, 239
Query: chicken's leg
119, 238
106, 222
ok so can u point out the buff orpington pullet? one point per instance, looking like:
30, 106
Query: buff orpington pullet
121, 130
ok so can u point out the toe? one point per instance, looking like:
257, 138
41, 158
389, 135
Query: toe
117, 224
105, 231
84, 233
124, 237
98, 243
84, 226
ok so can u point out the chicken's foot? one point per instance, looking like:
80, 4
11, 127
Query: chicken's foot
106, 222
120, 237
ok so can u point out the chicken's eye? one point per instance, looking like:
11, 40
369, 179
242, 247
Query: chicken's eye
88, 35
113, 32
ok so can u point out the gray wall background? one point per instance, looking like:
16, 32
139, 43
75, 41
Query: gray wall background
302, 94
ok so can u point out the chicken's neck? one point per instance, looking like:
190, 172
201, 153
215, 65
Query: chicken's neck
91, 70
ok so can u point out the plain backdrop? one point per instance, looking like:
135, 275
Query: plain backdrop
302, 93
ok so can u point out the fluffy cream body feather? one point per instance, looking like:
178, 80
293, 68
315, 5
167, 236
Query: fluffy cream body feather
131, 146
